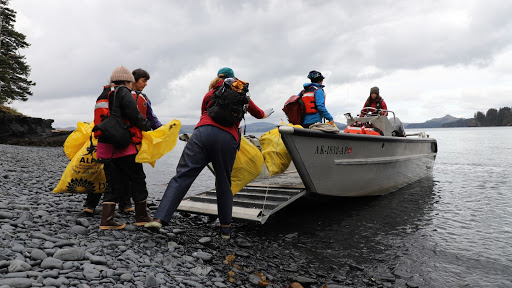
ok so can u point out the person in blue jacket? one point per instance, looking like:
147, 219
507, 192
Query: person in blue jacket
313, 97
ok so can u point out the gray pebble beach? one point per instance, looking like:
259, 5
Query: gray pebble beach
47, 241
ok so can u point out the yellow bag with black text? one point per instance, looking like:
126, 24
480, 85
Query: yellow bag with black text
77, 138
157, 143
84, 174
247, 167
274, 152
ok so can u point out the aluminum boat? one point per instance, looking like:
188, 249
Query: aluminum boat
350, 164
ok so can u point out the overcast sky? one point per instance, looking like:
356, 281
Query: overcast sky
429, 58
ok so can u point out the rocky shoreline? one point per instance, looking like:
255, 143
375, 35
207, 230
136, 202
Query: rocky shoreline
29, 131
46, 240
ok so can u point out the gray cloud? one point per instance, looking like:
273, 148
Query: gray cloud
272, 44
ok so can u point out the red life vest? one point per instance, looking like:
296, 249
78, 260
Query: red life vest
102, 111
142, 105
308, 97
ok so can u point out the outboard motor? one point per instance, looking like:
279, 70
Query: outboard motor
398, 128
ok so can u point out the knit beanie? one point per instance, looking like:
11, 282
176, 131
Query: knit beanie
122, 73
374, 90
226, 71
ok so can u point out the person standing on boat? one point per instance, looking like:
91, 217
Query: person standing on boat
374, 101
210, 142
313, 97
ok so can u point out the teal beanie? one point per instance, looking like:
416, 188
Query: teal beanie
226, 71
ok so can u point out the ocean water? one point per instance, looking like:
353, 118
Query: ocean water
451, 229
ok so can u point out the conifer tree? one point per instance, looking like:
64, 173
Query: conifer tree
14, 71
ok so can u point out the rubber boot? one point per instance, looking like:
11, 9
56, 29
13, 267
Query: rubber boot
107, 217
141, 214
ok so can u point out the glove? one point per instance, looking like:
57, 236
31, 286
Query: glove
269, 112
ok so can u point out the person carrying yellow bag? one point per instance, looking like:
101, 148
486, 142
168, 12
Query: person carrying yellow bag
215, 140
247, 167
84, 173
274, 152
157, 143
77, 138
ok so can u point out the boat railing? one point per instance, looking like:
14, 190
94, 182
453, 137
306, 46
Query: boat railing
377, 119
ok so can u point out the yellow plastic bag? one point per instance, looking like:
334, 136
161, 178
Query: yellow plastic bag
83, 174
77, 138
247, 167
157, 143
274, 152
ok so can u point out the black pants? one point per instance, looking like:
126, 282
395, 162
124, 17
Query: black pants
93, 199
117, 172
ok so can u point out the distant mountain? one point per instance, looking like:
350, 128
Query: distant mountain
471, 122
433, 123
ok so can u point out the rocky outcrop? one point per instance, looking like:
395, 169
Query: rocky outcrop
29, 131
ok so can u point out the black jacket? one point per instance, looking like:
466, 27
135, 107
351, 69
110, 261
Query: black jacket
123, 97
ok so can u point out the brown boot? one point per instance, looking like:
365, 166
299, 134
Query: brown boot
141, 214
107, 217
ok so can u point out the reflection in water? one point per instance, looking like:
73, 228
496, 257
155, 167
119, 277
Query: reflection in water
365, 231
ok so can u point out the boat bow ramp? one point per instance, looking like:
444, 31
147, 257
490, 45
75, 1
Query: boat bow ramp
255, 202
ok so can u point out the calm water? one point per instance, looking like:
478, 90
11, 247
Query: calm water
451, 229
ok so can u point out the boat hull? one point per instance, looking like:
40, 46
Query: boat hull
351, 165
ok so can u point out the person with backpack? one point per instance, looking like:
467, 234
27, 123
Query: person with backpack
141, 78
119, 163
226, 101
374, 101
313, 97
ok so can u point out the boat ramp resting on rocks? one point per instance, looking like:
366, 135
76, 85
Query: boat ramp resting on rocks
46, 241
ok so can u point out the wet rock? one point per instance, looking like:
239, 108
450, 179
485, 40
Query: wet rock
81, 230
51, 263
55, 282
6, 215
201, 270
18, 282
97, 260
203, 256
16, 275
19, 266
205, 240
38, 254
151, 281
72, 254
240, 242
25, 216
91, 273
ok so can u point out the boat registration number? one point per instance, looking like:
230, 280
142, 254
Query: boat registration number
332, 149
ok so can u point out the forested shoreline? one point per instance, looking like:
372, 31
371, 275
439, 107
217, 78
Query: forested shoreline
493, 117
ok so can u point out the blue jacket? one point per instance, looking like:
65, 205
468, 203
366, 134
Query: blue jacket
320, 105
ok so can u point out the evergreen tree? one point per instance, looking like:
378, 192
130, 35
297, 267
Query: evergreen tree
492, 116
14, 71
480, 118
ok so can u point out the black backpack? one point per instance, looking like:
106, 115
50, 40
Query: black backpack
228, 106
